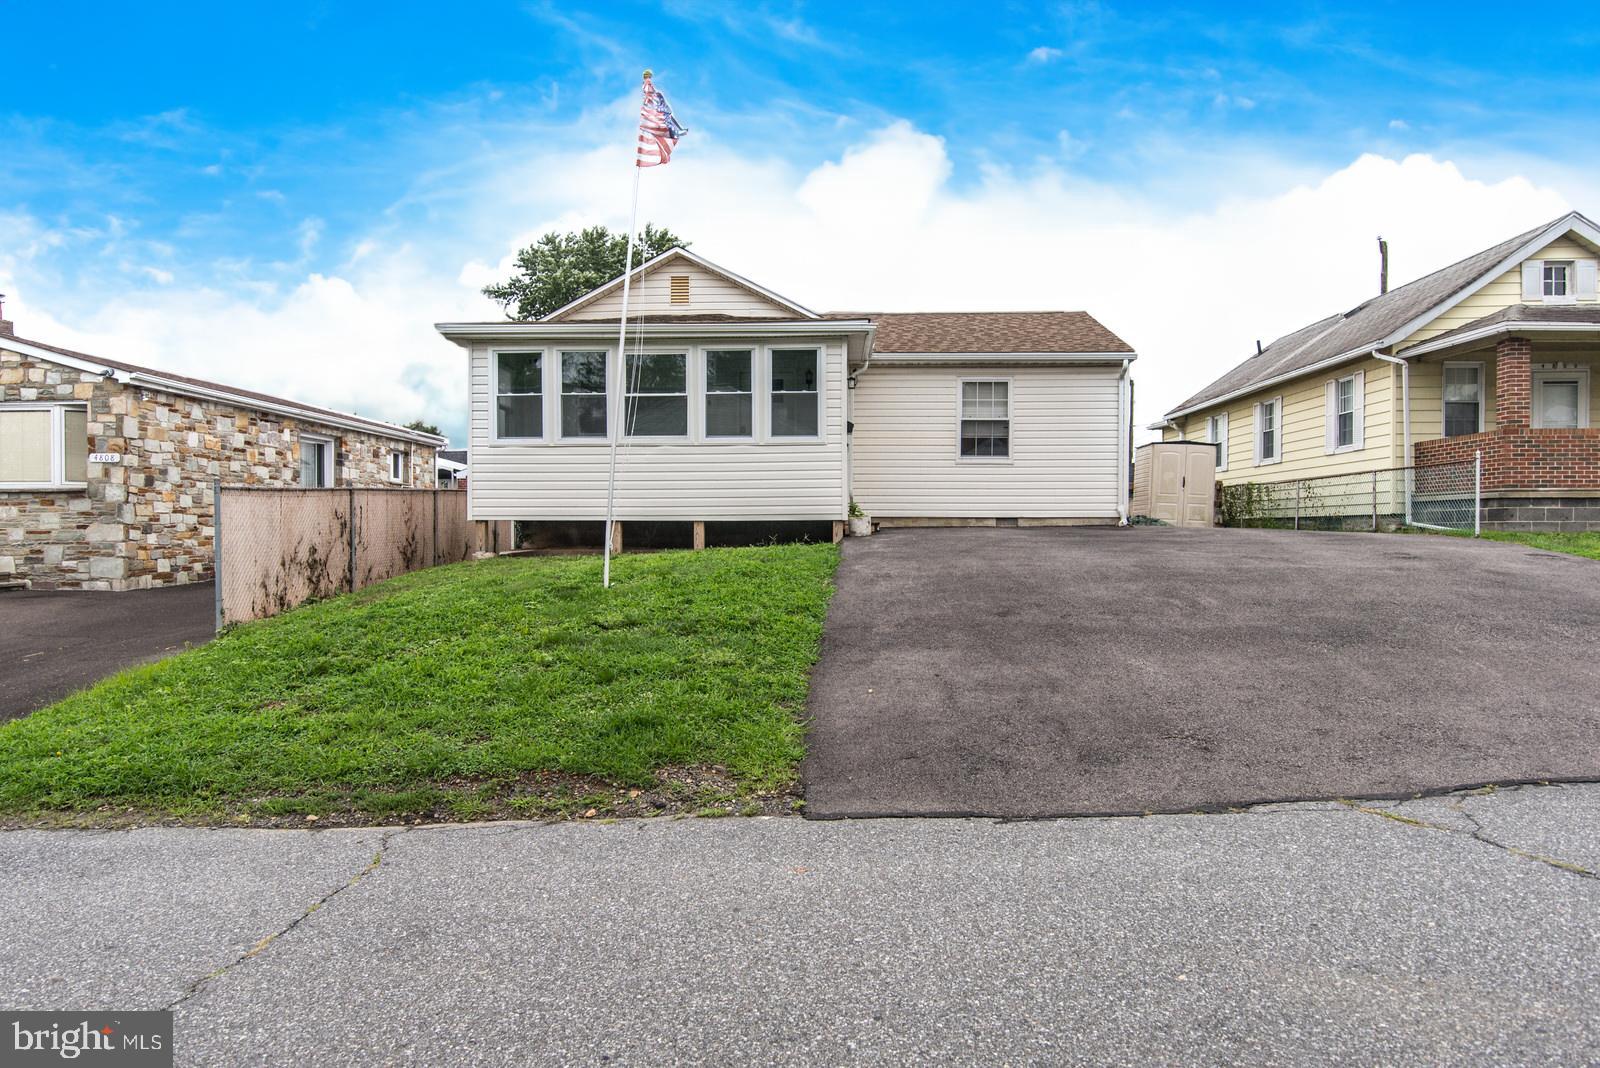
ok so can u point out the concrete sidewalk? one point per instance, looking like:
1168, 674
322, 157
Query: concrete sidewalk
1289, 934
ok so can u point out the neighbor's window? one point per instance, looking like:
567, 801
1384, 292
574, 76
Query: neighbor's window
657, 395
794, 393
583, 394
1344, 410
730, 395
1560, 399
43, 445
1463, 399
1557, 279
397, 466
316, 462
1268, 434
1217, 434
985, 419
519, 395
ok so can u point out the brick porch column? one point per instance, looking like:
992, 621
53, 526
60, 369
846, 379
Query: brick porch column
1513, 384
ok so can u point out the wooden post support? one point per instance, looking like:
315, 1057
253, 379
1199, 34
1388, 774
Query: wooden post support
616, 536
838, 531
699, 534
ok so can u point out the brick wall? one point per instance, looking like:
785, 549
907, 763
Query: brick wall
148, 520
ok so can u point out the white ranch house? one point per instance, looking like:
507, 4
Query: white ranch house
742, 406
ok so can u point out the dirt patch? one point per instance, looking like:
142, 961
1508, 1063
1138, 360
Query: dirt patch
706, 792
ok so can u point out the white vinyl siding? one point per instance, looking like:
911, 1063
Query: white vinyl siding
709, 294
686, 478
1065, 441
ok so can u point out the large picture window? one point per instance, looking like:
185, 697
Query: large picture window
985, 420
1463, 399
730, 393
583, 394
795, 393
657, 395
43, 445
519, 395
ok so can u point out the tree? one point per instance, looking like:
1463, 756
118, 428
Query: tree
559, 268
423, 427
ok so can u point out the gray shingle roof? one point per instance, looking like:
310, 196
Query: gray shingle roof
1362, 327
1582, 314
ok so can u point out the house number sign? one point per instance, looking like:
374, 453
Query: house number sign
105, 457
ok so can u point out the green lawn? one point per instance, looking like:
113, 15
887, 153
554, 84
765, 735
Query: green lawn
1585, 544
507, 686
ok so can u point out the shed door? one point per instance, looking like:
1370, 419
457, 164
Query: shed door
1166, 485
1199, 475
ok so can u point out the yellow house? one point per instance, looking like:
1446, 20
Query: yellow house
1488, 361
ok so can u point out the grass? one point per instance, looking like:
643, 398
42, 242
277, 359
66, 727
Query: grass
1585, 543
514, 686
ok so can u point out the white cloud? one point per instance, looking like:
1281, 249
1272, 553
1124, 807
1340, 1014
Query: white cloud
883, 226
1044, 54
1399, 124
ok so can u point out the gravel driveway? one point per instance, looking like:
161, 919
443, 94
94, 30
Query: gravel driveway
1031, 672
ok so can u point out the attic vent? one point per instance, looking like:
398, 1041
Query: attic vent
680, 289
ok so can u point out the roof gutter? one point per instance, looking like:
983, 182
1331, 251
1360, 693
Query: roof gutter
513, 332
1124, 424
1483, 333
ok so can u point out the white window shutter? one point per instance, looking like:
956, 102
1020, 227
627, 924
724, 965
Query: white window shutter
1255, 445
1330, 417
1533, 280
1360, 419
1222, 443
1588, 270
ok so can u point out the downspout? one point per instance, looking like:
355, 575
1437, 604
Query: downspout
1405, 416
1124, 419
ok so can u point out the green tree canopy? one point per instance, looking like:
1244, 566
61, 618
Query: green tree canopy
423, 427
559, 268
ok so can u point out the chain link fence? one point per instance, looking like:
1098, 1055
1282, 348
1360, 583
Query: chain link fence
278, 548
1439, 496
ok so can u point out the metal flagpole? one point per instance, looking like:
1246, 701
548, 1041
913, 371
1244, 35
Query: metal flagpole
622, 374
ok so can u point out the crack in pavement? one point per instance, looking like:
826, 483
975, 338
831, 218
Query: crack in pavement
261, 945
1477, 834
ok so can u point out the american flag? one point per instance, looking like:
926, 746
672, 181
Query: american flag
659, 129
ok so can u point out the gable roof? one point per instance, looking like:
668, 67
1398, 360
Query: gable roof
658, 261
994, 333
188, 386
1384, 320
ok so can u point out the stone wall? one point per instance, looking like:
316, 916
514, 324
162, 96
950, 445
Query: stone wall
148, 520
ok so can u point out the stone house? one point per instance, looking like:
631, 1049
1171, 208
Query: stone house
107, 469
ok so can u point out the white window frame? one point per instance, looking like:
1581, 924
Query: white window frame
1569, 281
690, 363
399, 465
555, 371
329, 458
58, 445
765, 422
702, 365
1217, 434
1010, 421
544, 394
1276, 404
1330, 414
1483, 389
1542, 375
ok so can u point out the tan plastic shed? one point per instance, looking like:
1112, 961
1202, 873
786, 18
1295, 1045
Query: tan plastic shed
1175, 482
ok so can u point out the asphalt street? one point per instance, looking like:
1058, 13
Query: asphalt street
1459, 930
1094, 671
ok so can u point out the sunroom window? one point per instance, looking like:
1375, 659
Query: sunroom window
657, 395
794, 393
519, 395
583, 394
730, 396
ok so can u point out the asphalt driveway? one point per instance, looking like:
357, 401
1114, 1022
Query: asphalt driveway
55, 642
1036, 672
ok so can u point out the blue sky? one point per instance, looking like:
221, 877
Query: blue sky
264, 193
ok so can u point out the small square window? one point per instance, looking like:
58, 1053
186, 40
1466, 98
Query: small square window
1557, 279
